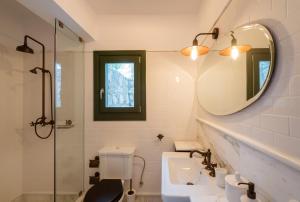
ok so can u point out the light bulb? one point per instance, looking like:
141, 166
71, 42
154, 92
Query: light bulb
194, 53
234, 52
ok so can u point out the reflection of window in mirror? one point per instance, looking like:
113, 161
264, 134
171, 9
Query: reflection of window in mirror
258, 66
264, 66
58, 102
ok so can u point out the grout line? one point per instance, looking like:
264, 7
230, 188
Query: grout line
271, 5
286, 8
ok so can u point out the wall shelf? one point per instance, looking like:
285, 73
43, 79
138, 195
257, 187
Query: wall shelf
280, 156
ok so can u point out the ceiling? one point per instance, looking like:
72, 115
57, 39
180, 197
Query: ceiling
145, 7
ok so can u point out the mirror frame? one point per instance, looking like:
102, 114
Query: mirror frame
272, 48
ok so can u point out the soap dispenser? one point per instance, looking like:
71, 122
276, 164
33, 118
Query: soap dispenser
233, 191
251, 195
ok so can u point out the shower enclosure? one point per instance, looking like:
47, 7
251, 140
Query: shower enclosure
69, 114
34, 169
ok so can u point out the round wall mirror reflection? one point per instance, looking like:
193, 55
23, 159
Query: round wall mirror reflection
238, 70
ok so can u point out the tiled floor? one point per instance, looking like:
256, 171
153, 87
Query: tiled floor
71, 198
147, 199
45, 198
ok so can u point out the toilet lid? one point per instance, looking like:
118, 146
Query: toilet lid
107, 190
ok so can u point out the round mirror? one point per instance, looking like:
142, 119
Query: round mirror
237, 70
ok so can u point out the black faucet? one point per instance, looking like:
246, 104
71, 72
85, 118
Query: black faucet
204, 154
210, 166
207, 161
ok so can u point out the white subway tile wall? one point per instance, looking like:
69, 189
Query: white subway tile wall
274, 120
171, 108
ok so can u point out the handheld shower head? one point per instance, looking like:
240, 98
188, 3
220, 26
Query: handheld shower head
33, 70
25, 48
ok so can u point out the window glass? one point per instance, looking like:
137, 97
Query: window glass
58, 85
119, 85
263, 72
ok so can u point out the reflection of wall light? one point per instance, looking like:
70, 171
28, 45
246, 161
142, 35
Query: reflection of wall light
186, 168
177, 79
194, 53
234, 50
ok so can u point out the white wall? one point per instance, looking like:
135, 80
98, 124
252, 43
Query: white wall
171, 105
170, 111
78, 16
38, 154
81, 13
150, 32
26, 162
274, 119
11, 122
69, 142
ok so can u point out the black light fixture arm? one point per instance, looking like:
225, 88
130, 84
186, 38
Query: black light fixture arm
214, 33
234, 40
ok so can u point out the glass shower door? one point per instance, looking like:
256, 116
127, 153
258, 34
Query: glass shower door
69, 103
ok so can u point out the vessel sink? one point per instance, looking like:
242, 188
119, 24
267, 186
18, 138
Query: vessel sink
184, 179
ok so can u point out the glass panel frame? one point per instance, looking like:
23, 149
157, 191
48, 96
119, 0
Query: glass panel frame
69, 119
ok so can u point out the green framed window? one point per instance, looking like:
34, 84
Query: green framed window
119, 85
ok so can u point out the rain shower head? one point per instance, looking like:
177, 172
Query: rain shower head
24, 48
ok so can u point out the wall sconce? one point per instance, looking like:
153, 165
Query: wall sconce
234, 50
196, 50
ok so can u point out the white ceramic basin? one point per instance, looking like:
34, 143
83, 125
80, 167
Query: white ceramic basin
184, 179
186, 171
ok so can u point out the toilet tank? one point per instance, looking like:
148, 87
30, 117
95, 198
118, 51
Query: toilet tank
116, 162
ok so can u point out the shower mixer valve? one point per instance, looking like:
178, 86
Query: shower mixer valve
42, 121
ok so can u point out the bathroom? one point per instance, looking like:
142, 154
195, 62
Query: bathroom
58, 131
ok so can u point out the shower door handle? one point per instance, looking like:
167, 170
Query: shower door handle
101, 93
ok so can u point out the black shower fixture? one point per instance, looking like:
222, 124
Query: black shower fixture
34, 70
25, 48
42, 121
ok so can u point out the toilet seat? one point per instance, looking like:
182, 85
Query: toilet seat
107, 190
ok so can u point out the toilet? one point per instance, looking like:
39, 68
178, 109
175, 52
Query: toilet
116, 165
